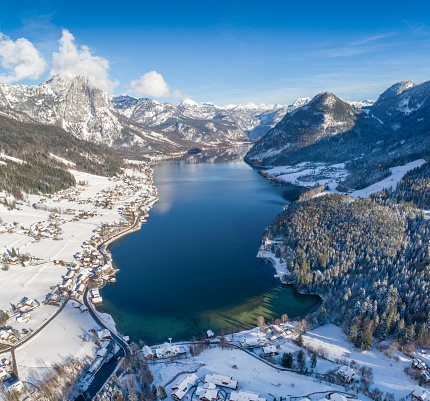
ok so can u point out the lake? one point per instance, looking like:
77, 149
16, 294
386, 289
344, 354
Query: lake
193, 266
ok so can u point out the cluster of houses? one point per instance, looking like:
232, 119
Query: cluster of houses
212, 388
166, 350
422, 367
85, 214
8, 336
46, 229
264, 339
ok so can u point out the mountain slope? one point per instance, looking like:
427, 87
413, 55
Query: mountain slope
86, 112
203, 122
325, 115
392, 131
44, 151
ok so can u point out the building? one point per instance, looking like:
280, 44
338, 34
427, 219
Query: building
419, 394
346, 374
167, 350
182, 387
207, 392
223, 381
147, 352
245, 396
270, 350
23, 318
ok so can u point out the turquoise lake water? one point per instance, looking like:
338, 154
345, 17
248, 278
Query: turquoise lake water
193, 266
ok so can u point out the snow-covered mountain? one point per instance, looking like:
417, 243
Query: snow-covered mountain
369, 136
323, 116
74, 104
205, 122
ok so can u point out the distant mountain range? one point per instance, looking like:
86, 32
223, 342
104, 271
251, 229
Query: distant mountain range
141, 125
369, 137
205, 122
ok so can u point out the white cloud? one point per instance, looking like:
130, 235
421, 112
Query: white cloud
153, 84
19, 60
71, 60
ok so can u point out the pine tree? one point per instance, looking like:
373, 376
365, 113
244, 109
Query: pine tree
161, 393
287, 360
313, 361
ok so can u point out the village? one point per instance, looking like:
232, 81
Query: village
54, 263
81, 222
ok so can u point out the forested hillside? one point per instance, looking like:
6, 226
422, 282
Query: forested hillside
368, 258
35, 144
393, 131
414, 188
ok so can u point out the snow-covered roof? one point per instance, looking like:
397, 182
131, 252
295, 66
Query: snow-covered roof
220, 380
245, 396
183, 386
420, 393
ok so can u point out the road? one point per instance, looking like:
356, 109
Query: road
94, 315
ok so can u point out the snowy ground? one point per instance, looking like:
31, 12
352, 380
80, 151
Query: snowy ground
252, 374
309, 174
256, 376
60, 341
390, 182
62, 338
388, 374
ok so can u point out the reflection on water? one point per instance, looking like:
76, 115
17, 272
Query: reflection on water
193, 266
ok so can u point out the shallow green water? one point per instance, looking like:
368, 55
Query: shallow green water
193, 266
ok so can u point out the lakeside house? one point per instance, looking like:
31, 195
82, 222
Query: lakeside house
147, 352
167, 350
223, 381
182, 387
243, 395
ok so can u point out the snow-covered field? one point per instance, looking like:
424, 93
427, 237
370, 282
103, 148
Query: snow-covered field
311, 174
388, 373
60, 341
255, 375
390, 182
54, 228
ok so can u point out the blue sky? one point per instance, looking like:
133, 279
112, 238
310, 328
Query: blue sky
220, 51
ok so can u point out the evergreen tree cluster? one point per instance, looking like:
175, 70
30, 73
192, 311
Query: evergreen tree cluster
414, 188
370, 260
42, 173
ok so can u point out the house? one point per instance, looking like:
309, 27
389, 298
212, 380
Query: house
147, 352
207, 392
3, 374
245, 396
419, 394
13, 384
270, 350
26, 304
223, 381
83, 309
23, 318
345, 373
167, 350
5, 362
182, 387
253, 342
7, 336
419, 365
104, 334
